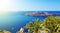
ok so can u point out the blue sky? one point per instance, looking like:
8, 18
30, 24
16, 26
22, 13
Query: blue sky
23, 5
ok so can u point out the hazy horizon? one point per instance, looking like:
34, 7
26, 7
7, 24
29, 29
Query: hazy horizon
28, 5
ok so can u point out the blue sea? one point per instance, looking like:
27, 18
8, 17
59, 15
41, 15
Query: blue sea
14, 21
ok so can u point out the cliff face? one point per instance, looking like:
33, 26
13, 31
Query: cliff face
41, 14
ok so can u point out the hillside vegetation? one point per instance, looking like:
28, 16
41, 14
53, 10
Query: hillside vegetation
48, 25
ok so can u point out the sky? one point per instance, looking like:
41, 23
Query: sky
29, 5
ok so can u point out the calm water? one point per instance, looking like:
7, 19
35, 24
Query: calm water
14, 22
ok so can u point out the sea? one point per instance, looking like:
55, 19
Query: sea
16, 20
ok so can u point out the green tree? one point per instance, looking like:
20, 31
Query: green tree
52, 23
33, 26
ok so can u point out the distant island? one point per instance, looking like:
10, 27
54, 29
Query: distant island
40, 14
